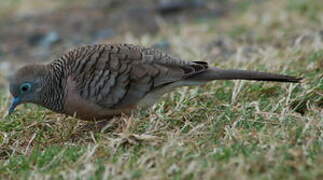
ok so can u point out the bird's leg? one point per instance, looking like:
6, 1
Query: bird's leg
107, 124
101, 125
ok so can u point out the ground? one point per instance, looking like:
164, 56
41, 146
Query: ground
223, 130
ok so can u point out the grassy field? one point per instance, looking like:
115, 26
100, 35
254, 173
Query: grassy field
223, 130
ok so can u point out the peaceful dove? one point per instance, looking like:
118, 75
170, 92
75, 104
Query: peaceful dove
100, 81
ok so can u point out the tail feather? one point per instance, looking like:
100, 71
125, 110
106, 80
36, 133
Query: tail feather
231, 74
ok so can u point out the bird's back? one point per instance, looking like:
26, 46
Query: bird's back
115, 77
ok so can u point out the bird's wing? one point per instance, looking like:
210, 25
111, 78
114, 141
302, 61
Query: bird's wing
117, 76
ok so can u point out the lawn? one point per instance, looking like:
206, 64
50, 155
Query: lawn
223, 130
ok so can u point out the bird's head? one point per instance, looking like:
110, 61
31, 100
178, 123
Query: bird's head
26, 85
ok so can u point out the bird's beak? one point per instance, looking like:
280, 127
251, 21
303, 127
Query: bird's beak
15, 102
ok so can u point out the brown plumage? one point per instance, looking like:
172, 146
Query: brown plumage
100, 81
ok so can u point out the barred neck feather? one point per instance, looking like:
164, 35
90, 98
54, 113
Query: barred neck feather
55, 83
53, 93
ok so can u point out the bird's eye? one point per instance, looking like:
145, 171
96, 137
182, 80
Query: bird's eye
25, 87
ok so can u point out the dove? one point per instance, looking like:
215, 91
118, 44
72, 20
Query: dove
101, 81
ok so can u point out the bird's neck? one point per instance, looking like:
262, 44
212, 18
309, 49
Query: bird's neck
54, 87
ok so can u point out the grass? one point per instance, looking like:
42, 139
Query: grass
223, 130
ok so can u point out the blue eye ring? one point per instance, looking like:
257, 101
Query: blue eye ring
25, 87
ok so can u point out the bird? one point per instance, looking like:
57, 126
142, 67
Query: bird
101, 81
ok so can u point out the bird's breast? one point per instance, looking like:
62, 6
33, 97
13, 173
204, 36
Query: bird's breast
75, 105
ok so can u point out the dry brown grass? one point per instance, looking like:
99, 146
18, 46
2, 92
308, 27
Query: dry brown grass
224, 130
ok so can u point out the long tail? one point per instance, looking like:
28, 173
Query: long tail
231, 74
